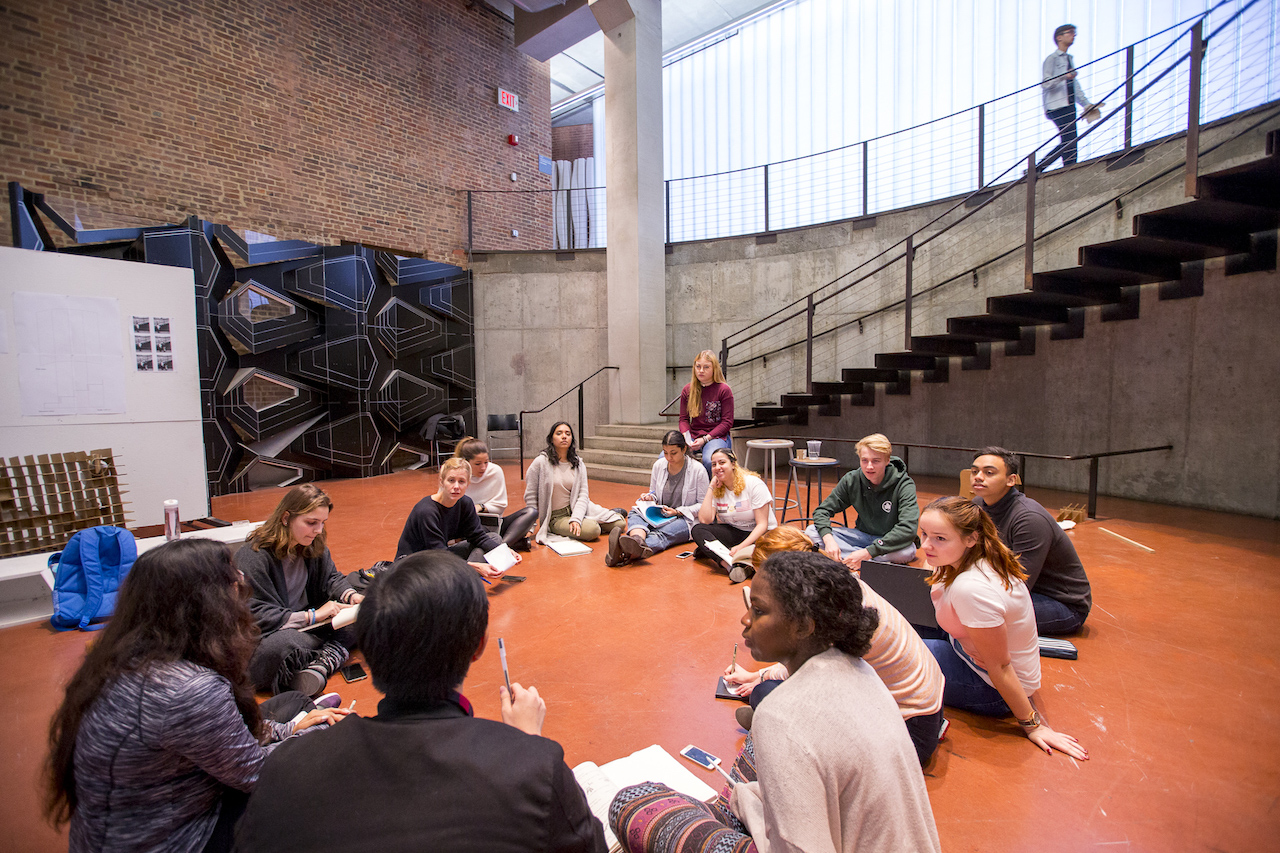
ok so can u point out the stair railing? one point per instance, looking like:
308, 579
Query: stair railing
982, 198
581, 409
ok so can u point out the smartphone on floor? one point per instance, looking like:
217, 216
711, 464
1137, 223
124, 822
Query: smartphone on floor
353, 672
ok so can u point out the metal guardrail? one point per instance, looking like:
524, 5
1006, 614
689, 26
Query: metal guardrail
1023, 456
581, 409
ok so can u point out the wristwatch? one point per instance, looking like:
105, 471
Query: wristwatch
1032, 723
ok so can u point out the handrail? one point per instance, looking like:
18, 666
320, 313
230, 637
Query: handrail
1022, 455
807, 303
663, 413
524, 412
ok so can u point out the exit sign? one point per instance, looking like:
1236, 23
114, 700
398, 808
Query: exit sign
508, 100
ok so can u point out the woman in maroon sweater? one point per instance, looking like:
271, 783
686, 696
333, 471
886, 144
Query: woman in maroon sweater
706, 408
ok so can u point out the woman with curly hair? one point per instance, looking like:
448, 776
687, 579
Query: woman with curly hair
296, 585
556, 488
828, 765
706, 408
991, 657
159, 739
897, 654
735, 512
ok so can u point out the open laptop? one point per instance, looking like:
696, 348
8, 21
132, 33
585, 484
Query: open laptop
904, 587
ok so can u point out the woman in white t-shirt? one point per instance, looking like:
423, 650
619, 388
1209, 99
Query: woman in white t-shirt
991, 658
737, 510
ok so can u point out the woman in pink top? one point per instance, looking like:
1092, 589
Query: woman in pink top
706, 408
991, 659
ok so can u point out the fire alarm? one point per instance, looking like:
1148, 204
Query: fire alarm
512, 139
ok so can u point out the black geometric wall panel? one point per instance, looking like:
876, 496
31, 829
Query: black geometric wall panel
405, 330
315, 361
258, 320
405, 399
345, 283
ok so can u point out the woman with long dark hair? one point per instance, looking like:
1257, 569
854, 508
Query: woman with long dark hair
556, 488
828, 764
706, 408
676, 490
991, 657
159, 736
488, 490
296, 585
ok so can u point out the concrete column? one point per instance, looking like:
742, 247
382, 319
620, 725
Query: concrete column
637, 320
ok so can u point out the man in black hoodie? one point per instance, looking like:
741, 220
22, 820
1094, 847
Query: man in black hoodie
1059, 587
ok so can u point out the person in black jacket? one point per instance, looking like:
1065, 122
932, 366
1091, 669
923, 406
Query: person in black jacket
450, 516
296, 585
427, 775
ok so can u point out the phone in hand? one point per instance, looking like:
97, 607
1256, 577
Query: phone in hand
353, 672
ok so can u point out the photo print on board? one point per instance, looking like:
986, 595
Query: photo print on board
142, 325
144, 363
164, 363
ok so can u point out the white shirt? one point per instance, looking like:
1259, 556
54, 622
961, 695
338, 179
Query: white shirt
739, 510
489, 490
978, 599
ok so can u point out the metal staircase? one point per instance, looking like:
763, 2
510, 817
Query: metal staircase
1234, 216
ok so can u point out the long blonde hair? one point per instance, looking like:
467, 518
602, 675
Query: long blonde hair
968, 518
740, 475
695, 387
273, 535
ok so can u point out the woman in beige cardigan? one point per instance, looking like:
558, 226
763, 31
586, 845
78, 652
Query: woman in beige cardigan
556, 486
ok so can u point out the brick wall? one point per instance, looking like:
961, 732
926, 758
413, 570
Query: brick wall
363, 121
572, 141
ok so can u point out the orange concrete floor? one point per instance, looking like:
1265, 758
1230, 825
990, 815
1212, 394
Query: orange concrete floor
1174, 693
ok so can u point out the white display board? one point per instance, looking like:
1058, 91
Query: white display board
158, 439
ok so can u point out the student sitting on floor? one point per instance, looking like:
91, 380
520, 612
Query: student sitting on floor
736, 511
885, 499
677, 488
450, 515
1060, 591
159, 735
556, 488
424, 774
897, 654
991, 657
295, 585
488, 491
828, 765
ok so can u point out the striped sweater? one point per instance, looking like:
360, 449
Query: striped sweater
153, 756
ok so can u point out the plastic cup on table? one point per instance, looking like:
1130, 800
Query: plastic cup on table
815, 449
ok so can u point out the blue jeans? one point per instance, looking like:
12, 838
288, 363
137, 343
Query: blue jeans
964, 688
851, 539
1053, 617
712, 445
659, 538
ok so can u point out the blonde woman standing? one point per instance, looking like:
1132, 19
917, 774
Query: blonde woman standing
706, 408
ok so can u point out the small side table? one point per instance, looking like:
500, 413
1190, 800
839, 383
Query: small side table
808, 465
772, 446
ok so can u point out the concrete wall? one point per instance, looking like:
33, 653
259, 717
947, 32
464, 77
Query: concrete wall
540, 329
1200, 374
1195, 373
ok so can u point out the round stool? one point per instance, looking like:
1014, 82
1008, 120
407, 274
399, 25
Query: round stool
808, 465
772, 446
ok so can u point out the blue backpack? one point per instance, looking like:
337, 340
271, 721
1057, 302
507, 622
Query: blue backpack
88, 574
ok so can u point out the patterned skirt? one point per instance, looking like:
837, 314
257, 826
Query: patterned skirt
652, 818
